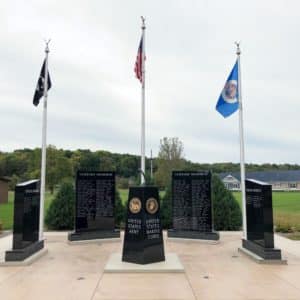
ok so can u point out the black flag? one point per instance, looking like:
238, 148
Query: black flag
39, 91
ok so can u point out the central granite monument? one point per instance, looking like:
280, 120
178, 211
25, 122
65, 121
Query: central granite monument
259, 212
143, 240
26, 222
192, 206
95, 202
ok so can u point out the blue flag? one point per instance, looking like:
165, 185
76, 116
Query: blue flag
228, 100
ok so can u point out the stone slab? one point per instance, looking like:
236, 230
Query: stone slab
94, 235
263, 252
183, 240
24, 253
172, 264
28, 261
95, 241
260, 260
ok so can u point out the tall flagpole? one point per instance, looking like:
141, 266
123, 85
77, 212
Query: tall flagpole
44, 145
242, 151
143, 105
151, 166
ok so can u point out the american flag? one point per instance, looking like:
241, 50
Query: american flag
138, 62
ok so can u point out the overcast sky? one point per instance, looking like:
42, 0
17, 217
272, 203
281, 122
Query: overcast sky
95, 98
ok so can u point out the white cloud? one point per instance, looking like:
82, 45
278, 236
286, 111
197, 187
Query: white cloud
95, 99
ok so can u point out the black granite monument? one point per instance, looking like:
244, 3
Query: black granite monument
95, 202
143, 241
192, 206
26, 221
259, 212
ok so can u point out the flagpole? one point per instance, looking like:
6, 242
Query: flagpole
44, 146
151, 165
242, 151
143, 105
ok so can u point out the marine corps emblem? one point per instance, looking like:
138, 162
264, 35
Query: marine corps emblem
135, 205
152, 206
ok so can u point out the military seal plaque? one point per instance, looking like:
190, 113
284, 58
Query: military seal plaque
135, 205
151, 206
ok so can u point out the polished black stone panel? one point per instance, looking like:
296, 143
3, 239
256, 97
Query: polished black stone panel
95, 202
259, 212
192, 205
143, 240
26, 221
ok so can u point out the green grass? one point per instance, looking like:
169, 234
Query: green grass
7, 209
286, 209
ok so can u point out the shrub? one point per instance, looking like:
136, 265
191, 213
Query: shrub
166, 209
122, 183
119, 211
226, 211
60, 214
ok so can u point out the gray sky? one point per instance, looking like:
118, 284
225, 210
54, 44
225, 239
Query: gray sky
95, 98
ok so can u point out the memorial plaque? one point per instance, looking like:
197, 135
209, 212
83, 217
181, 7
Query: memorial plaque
259, 212
26, 221
95, 202
192, 206
143, 241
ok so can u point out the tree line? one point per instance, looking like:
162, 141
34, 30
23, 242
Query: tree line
24, 164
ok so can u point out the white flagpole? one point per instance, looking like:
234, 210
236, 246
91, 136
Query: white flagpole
151, 166
242, 151
143, 105
44, 146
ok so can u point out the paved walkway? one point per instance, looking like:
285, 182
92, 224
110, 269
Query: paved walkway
216, 272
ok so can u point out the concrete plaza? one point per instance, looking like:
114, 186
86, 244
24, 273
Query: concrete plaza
69, 272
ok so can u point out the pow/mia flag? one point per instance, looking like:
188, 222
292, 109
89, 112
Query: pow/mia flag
39, 91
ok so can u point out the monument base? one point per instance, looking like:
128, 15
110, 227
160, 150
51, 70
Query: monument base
265, 253
22, 254
171, 264
189, 234
93, 235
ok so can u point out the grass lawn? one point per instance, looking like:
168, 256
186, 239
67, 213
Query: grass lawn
286, 209
7, 210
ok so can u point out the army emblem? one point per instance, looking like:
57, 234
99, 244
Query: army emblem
135, 205
151, 206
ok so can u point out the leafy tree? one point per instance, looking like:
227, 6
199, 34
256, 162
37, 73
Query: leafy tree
170, 157
58, 167
60, 214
